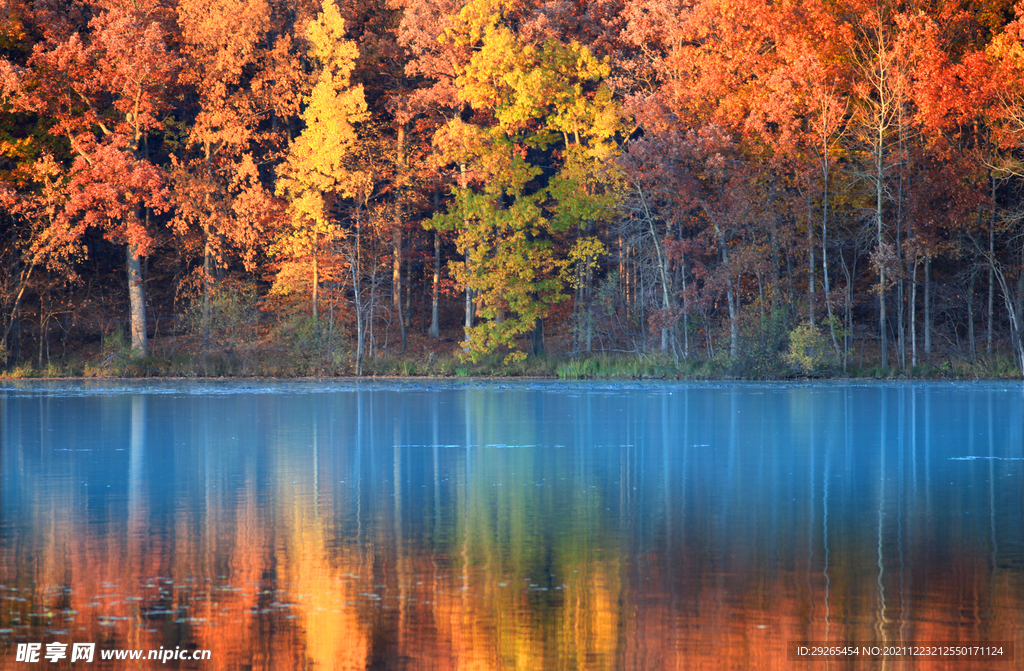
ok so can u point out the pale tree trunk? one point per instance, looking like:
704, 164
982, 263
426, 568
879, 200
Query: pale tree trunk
848, 274
316, 279
878, 62
407, 283
577, 311
396, 280
810, 269
666, 300
136, 303
734, 334
396, 241
1013, 299
730, 296
207, 255
136, 290
44, 320
686, 309
469, 302
207, 272
824, 262
1017, 333
882, 329
901, 287
357, 295
435, 327
828, 134
469, 291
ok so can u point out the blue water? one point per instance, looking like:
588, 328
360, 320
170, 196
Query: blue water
509, 525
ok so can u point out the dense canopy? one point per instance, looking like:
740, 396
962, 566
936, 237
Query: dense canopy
772, 185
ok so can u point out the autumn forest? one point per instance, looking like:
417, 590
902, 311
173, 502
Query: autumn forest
745, 187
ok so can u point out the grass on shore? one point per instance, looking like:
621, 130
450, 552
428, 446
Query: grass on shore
120, 363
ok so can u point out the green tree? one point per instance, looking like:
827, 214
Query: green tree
530, 104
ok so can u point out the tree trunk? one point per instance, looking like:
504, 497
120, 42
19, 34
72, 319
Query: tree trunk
730, 295
316, 279
407, 283
44, 314
588, 309
848, 307
882, 329
9, 342
913, 316
901, 321
810, 270
970, 310
537, 337
396, 280
469, 303
357, 296
136, 302
734, 336
928, 305
825, 277
435, 327
396, 240
207, 254
686, 309
991, 284
1017, 330
666, 301
207, 271
469, 292
1014, 307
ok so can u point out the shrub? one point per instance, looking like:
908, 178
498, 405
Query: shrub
808, 348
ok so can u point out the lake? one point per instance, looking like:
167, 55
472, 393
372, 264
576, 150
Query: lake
512, 525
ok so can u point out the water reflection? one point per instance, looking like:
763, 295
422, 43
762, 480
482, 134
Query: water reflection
490, 526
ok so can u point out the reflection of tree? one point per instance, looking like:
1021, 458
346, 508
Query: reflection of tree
543, 587
334, 532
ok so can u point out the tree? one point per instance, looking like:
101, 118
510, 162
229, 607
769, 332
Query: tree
1006, 54
318, 169
104, 92
228, 52
530, 102
879, 121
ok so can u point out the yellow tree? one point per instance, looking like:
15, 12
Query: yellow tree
320, 168
532, 104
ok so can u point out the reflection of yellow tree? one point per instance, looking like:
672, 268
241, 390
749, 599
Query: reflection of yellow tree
324, 585
465, 599
541, 590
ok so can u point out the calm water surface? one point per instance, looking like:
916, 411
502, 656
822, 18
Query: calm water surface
472, 525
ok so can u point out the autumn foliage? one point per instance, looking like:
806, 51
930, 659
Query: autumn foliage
699, 179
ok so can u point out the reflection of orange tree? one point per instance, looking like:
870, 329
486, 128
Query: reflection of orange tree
227, 620
502, 584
